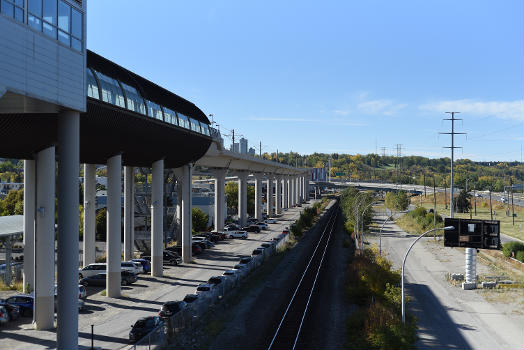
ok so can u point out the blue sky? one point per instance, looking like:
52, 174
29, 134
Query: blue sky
333, 76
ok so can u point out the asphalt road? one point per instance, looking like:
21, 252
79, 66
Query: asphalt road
112, 317
448, 317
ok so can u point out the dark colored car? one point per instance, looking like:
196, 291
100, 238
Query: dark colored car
127, 277
145, 264
176, 249
202, 245
143, 326
13, 311
257, 252
245, 260
189, 298
24, 302
196, 248
252, 228
285, 231
209, 236
221, 235
171, 258
171, 307
216, 280
266, 245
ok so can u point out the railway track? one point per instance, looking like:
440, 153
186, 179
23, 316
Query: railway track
287, 333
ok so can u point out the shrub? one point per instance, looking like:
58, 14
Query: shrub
520, 256
512, 248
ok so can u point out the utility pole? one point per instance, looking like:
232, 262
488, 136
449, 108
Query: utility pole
260, 150
490, 208
475, 195
424, 185
383, 151
452, 148
512, 207
434, 205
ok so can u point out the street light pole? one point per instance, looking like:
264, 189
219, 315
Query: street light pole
380, 236
404, 263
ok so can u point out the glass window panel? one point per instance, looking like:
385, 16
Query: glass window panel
183, 121
64, 38
76, 44
205, 129
50, 11
49, 30
64, 13
76, 23
154, 111
35, 7
34, 22
19, 3
170, 116
7, 8
92, 86
19, 14
194, 125
135, 102
110, 90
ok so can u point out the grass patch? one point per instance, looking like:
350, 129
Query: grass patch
17, 286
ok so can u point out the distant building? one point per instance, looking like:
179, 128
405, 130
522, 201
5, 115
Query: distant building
235, 147
251, 151
243, 146
318, 174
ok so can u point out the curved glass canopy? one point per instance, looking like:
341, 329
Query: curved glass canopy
104, 88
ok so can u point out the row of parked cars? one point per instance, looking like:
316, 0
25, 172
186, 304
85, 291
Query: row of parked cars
214, 285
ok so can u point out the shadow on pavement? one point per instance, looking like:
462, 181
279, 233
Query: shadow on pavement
436, 330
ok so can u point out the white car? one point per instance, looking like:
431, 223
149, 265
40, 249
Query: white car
271, 221
92, 269
131, 266
82, 292
237, 234
262, 225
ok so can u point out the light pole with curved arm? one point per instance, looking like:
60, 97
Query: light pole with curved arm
362, 224
404, 263
380, 235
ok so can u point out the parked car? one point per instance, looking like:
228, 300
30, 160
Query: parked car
231, 227
13, 311
237, 234
285, 231
216, 280
257, 251
170, 308
245, 260
4, 315
240, 267
81, 303
221, 235
204, 287
232, 273
143, 326
24, 302
196, 248
252, 228
127, 278
130, 266
266, 245
189, 298
172, 258
209, 236
208, 244
146, 265
271, 221
262, 225
92, 269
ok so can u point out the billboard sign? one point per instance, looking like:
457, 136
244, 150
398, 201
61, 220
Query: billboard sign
472, 233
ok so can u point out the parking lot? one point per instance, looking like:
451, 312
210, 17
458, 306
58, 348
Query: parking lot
112, 318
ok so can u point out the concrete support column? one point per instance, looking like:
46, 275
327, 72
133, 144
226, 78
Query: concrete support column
269, 196
67, 238
114, 217
306, 187
302, 189
29, 225
45, 240
157, 218
242, 198
297, 190
220, 208
178, 233
129, 212
287, 192
278, 196
89, 249
184, 175
258, 197
292, 187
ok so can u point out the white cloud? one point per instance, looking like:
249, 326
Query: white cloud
382, 106
500, 109
341, 111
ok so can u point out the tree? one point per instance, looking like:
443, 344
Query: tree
232, 194
401, 201
200, 219
390, 200
13, 203
101, 224
463, 202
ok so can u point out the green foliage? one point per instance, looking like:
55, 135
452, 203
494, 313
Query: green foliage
352, 202
463, 202
390, 200
305, 221
376, 324
520, 255
398, 201
422, 220
231, 192
200, 219
511, 249
13, 203
101, 224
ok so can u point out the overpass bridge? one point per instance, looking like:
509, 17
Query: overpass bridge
62, 105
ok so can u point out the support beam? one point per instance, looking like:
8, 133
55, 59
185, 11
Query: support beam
114, 219
29, 225
220, 206
184, 175
45, 240
89, 254
278, 196
242, 198
258, 197
157, 218
287, 197
67, 237
269, 196
292, 191
178, 233
129, 212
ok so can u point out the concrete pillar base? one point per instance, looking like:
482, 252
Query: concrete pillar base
469, 285
46, 305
